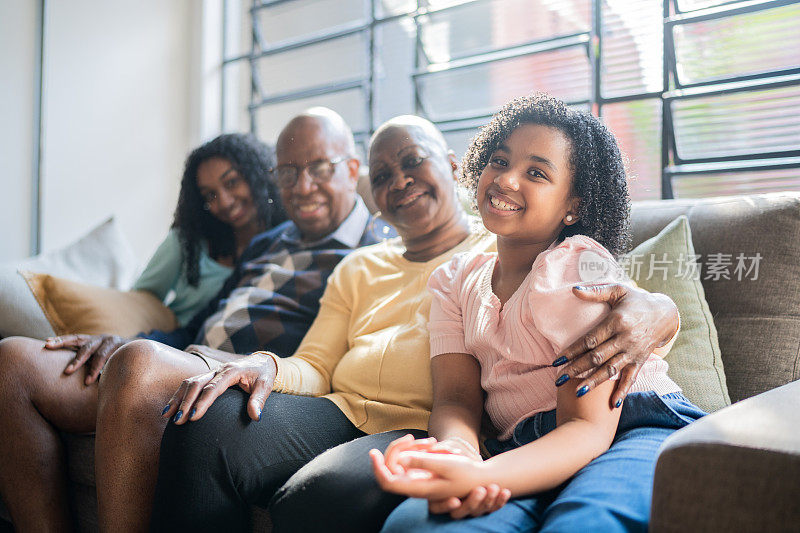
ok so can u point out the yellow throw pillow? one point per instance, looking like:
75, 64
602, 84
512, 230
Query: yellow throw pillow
73, 307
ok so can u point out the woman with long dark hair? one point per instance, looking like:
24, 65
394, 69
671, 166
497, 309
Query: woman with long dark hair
226, 199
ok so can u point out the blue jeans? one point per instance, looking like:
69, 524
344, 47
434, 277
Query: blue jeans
612, 493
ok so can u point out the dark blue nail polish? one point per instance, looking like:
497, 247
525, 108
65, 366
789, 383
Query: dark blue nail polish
619, 402
259, 416
178, 416
191, 413
583, 390
560, 361
561, 380
164, 411
581, 288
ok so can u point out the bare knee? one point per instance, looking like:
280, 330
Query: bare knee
17, 360
14, 349
133, 362
138, 376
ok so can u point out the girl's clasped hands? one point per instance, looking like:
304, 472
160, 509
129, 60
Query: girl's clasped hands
450, 475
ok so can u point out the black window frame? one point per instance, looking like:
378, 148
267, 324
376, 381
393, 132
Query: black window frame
671, 90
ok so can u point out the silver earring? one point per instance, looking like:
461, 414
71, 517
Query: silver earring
569, 218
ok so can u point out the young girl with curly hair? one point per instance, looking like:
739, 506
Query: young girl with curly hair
550, 183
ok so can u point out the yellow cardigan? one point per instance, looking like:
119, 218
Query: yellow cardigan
368, 350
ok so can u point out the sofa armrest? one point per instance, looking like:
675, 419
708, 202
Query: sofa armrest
735, 470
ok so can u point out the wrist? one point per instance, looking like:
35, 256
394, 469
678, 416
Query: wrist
269, 362
465, 446
486, 473
672, 324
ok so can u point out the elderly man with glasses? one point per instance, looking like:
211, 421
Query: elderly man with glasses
268, 303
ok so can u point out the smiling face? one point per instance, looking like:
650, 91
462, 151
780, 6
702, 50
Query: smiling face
525, 191
317, 208
413, 179
226, 193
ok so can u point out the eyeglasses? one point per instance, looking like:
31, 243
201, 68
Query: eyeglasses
321, 171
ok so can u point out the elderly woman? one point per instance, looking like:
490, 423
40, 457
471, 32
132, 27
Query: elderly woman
361, 376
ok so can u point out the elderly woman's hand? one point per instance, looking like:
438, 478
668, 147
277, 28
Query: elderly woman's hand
638, 323
96, 349
254, 374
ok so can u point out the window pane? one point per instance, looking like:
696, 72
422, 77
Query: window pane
744, 44
351, 104
328, 62
299, 18
637, 127
632, 47
238, 28
441, 4
236, 80
458, 141
361, 154
730, 183
581, 107
738, 123
482, 89
394, 64
482, 26
387, 8
692, 5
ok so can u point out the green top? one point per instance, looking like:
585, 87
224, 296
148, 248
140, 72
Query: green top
165, 277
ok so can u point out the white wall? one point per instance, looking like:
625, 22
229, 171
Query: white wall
17, 49
129, 89
117, 107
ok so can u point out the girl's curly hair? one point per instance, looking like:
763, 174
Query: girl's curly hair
254, 161
598, 167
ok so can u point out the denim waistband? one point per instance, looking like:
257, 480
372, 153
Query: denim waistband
641, 409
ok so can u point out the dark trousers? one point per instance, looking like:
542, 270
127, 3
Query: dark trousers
211, 471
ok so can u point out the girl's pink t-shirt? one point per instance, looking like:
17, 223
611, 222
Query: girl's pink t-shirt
516, 343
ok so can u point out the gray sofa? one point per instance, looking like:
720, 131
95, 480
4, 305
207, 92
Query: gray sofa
739, 468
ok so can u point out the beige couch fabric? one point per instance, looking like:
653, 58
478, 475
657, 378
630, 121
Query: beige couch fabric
758, 320
735, 470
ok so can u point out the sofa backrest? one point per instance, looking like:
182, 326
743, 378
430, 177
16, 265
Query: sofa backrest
757, 317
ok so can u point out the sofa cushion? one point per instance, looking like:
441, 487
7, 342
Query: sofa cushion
102, 257
758, 320
20, 314
73, 307
662, 264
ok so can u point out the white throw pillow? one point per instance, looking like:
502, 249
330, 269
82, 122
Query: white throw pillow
103, 257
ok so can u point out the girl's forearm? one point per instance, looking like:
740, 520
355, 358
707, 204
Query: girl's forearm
457, 400
461, 425
548, 461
